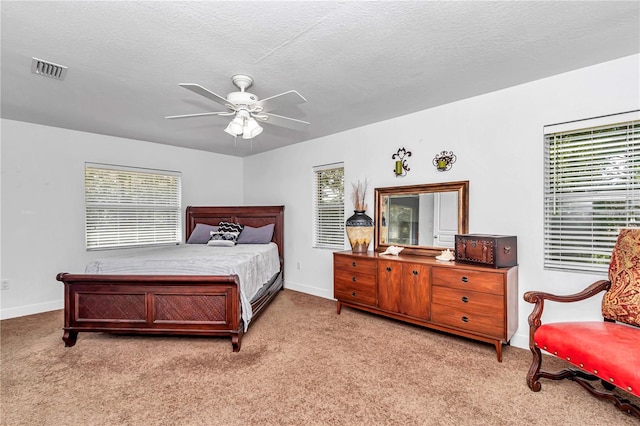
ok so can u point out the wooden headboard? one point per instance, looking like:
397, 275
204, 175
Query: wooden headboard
254, 216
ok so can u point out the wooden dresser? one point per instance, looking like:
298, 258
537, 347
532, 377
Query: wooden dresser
472, 301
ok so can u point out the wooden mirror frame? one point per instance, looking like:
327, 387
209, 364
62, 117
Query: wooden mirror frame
461, 187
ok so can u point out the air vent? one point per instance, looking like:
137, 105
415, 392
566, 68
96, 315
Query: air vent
48, 69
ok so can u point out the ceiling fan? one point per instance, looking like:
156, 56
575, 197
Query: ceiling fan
248, 110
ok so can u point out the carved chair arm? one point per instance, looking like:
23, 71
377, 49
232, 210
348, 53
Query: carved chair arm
538, 297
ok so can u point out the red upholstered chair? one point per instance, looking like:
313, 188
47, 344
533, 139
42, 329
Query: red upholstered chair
607, 351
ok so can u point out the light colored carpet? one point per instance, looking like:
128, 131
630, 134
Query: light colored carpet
300, 364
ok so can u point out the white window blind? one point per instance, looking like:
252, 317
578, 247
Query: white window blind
130, 207
592, 190
328, 203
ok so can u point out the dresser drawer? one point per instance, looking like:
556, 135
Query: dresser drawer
469, 301
489, 325
363, 291
486, 282
350, 263
356, 278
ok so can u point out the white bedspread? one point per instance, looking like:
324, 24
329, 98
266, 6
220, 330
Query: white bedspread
254, 264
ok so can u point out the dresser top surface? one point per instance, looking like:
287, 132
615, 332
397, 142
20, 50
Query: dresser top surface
427, 260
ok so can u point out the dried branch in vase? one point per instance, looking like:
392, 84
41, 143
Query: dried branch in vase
359, 193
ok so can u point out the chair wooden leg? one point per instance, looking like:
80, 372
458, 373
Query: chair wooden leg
534, 370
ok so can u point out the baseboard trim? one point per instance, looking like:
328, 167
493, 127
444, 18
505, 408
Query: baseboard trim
520, 340
38, 308
314, 291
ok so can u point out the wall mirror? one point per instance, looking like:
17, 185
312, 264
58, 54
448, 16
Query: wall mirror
423, 219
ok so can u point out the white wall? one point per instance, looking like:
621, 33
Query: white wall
498, 139
43, 202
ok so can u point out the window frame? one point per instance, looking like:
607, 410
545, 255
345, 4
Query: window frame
143, 207
328, 233
591, 190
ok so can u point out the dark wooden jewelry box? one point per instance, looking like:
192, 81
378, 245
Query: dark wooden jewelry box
496, 251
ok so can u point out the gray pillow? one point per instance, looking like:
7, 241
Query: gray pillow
262, 235
201, 233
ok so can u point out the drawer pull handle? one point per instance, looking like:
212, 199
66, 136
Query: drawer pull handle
353, 264
415, 272
464, 279
388, 268
353, 294
507, 250
353, 279
465, 299
465, 319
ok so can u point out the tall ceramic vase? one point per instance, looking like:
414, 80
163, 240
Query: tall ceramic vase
359, 231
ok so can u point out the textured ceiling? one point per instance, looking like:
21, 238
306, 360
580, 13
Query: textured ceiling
355, 62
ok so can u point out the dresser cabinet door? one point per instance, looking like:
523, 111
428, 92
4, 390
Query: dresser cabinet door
415, 290
404, 288
390, 285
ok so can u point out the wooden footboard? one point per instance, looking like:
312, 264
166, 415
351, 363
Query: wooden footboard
167, 305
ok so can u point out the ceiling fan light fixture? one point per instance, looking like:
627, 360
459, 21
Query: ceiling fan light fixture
251, 129
236, 126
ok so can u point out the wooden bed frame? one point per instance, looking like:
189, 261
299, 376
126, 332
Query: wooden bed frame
172, 304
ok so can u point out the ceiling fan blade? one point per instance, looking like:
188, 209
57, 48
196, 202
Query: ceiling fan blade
202, 114
196, 88
281, 101
278, 120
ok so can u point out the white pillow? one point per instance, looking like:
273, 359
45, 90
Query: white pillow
224, 239
221, 243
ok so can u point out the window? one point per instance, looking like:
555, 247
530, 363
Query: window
328, 203
592, 190
129, 207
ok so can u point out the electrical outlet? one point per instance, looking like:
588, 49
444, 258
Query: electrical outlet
5, 285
